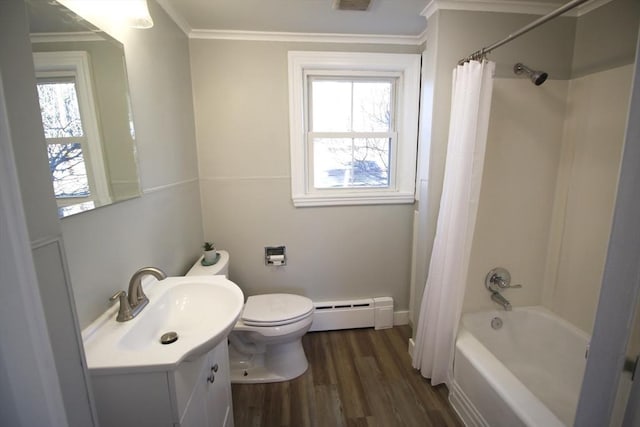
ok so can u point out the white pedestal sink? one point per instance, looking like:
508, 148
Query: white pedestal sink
200, 309
138, 381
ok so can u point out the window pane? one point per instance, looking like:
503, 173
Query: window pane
372, 106
330, 106
347, 162
68, 170
59, 109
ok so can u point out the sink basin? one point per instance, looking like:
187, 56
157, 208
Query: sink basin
202, 310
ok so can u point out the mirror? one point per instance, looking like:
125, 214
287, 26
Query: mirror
85, 105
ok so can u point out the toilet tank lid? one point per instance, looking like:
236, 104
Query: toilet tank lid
221, 267
269, 308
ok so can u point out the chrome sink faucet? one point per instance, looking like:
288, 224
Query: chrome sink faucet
137, 300
497, 280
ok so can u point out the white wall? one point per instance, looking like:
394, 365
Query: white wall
95, 253
241, 103
27, 137
163, 228
30, 392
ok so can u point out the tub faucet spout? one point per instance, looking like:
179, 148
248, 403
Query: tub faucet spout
497, 297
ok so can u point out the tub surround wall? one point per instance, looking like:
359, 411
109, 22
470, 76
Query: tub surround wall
548, 191
452, 35
241, 102
595, 124
518, 185
547, 224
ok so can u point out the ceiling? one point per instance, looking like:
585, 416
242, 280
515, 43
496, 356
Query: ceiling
384, 17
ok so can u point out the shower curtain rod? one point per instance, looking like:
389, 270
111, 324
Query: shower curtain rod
481, 53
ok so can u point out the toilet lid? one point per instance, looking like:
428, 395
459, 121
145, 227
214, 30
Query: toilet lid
275, 309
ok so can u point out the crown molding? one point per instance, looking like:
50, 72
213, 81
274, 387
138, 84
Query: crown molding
587, 7
508, 6
175, 16
84, 36
275, 36
307, 37
422, 38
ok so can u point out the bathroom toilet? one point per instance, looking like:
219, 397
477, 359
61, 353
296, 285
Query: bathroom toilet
266, 341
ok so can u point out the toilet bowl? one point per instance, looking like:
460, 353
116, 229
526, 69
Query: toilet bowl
266, 341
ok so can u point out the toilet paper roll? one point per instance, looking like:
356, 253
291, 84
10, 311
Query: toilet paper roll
279, 259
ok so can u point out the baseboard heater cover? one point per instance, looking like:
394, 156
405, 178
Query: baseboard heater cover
351, 314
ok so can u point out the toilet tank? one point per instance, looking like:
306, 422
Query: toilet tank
220, 268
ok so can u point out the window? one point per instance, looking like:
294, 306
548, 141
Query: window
65, 137
71, 130
354, 120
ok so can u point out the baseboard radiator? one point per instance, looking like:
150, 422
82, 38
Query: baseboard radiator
350, 314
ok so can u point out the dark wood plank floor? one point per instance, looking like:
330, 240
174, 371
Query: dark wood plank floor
359, 377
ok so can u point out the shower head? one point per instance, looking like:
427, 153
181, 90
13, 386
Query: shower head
537, 77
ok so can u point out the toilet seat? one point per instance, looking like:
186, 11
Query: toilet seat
275, 309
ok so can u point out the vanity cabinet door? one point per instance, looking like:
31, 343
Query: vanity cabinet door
195, 414
133, 400
210, 399
196, 394
219, 404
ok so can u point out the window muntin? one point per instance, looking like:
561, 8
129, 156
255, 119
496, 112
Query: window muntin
351, 131
353, 122
351, 104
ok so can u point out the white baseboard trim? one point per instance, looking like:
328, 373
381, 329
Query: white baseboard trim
401, 317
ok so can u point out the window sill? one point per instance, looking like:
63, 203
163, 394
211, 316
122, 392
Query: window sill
308, 200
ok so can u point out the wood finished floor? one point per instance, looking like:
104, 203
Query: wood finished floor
359, 377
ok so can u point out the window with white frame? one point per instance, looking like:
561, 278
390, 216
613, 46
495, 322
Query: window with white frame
71, 130
354, 127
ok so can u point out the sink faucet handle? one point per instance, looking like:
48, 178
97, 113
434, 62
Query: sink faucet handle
512, 286
117, 295
124, 313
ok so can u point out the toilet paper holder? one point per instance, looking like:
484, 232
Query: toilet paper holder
275, 255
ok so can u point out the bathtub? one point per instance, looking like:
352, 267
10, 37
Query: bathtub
526, 373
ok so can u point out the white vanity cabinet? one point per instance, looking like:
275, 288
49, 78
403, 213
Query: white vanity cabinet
206, 399
196, 394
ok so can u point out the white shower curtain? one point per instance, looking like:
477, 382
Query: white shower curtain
444, 291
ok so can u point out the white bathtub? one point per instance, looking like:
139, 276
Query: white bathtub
527, 373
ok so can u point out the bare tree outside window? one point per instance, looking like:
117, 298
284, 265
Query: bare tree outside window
352, 128
64, 134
